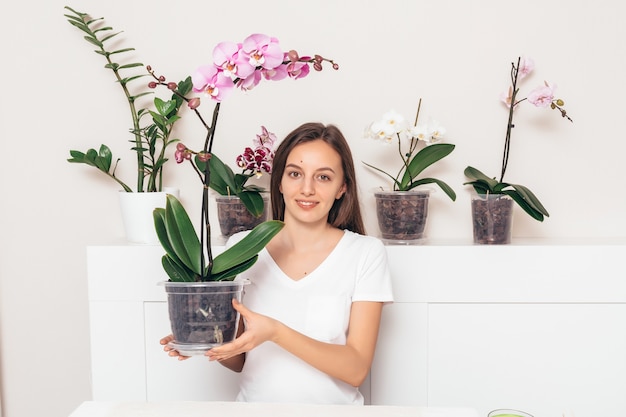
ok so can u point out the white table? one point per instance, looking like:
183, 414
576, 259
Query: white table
234, 409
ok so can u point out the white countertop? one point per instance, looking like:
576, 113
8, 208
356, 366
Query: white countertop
235, 409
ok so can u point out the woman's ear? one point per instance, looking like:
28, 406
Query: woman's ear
342, 191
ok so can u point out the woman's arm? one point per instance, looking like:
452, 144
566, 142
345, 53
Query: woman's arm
350, 362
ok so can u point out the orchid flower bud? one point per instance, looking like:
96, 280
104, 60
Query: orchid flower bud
194, 103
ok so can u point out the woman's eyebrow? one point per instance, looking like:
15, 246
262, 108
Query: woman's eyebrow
293, 165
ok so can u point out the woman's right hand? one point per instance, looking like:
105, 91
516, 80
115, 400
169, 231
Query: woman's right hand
170, 350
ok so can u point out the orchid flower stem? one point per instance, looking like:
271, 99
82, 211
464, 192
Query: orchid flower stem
206, 225
417, 115
510, 125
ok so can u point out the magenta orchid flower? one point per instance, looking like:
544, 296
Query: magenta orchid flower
212, 81
259, 159
262, 51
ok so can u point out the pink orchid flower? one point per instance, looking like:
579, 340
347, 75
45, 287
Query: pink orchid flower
212, 81
262, 51
275, 74
527, 65
228, 58
265, 139
542, 96
250, 82
298, 69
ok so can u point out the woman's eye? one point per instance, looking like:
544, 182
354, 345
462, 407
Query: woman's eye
324, 177
293, 174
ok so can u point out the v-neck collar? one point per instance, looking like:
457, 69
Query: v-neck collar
284, 277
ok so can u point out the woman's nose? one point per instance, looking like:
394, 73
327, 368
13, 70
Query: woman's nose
308, 186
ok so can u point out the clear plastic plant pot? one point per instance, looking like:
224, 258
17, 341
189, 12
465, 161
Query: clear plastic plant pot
492, 218
202, 315
402, 215
233, 216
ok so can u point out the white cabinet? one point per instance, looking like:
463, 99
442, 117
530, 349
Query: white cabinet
530, 326
534, 327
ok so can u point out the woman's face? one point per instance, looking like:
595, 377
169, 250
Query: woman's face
312, 181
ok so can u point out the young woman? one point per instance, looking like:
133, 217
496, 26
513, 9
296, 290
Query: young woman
313, 308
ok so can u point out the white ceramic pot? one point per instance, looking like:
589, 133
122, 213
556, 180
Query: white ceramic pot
136, 209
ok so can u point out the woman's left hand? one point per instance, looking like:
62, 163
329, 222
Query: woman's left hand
259, 329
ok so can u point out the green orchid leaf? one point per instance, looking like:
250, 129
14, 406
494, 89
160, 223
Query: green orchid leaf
445, 187
476, 175
253, 202
530, 198
159, 225
524, 205
222, 177
248, 247
182, 235
397, 184
423, 159
231, 273
175, 271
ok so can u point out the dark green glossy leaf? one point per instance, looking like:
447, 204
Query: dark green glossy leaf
445, 187
182, 235
397, 184
175, 271
253, 202
524, 205
222, 177
423, 159
231, 273
248, 247
530, 198
105, 156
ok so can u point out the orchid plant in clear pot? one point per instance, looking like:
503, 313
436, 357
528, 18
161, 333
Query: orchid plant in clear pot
543, 97
235, 66
240, 205
402, 211
201, 311
418, 148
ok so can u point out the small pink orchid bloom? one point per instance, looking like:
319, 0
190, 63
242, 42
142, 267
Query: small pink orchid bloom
262, 51
298, 69
542, 96
527, 65
226, 56
507, 96
212, 81
275, 74
265, 139
182, 153
250, 82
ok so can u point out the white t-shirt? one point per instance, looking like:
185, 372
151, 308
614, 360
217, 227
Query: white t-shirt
318, 306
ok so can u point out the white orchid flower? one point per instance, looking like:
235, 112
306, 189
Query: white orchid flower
395, 121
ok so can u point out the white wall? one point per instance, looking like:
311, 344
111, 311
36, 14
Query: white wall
454, 54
